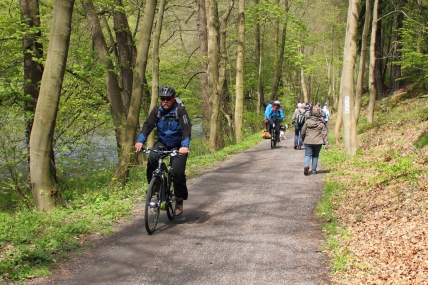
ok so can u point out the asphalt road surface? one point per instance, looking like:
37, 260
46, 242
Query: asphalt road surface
249, 221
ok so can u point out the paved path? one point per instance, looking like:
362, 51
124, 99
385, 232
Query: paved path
249, 221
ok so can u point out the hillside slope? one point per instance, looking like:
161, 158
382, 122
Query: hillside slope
382, 205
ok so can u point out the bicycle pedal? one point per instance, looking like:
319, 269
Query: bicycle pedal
163, 206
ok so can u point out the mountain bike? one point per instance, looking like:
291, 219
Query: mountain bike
273, 141
160, 194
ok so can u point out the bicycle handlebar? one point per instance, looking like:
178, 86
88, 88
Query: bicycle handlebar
162, 152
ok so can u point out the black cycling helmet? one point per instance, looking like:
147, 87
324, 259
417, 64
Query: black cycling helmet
167, 91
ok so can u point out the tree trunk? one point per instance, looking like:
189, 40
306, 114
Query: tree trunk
378, 72
239, 105
126, 52
222, 89
372, 86
259, 60
329, 80
45, 190
303, 85
396, 67
33, 70
339, 121
213, 71
276, 53
347, 81
132, 120
155, 66
203, 47
280, 57
117, 108
360, 79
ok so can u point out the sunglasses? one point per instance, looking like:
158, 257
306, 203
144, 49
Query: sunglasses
166, 98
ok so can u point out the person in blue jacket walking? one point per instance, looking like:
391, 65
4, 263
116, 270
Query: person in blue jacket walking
174, 131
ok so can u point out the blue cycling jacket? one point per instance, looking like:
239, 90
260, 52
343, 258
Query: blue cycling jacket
173, 126
277, 114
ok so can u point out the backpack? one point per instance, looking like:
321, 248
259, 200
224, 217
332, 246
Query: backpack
326, 115
301, 118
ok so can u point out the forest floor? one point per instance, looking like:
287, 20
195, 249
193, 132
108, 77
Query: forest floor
383, 210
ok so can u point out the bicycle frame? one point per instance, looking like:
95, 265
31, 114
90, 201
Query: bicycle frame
159, 195
273, 141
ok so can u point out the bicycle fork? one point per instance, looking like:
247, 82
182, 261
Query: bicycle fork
160, 197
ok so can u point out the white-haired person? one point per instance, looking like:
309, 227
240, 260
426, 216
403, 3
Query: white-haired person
298, 124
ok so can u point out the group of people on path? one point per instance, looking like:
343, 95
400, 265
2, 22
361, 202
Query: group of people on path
173, 126
310, 129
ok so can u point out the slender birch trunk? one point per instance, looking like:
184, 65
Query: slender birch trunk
117, 108
372, 86
213, 72
132, 120
155, 66
45, 190
203, 47
239, 105
361, 70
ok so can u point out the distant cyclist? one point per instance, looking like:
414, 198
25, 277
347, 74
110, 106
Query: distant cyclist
174, 130
276, 115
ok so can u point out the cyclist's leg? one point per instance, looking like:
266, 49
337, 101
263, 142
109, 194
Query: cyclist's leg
152, 161
179, 176
179, 181
277, 127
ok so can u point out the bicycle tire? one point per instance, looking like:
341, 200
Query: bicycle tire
170, 195
152, 207
272, 139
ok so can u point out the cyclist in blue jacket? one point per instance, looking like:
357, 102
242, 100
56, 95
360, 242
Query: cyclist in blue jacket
174, 131
276, 115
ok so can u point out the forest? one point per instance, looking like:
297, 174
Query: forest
79, 77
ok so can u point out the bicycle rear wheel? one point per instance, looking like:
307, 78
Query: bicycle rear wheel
151, 209
170, 195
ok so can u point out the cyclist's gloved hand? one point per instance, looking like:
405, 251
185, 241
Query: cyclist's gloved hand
138, 146
183, 150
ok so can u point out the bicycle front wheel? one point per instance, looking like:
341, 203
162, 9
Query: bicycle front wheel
272, 139
151, 209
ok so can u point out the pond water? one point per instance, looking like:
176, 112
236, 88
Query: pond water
97, 152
